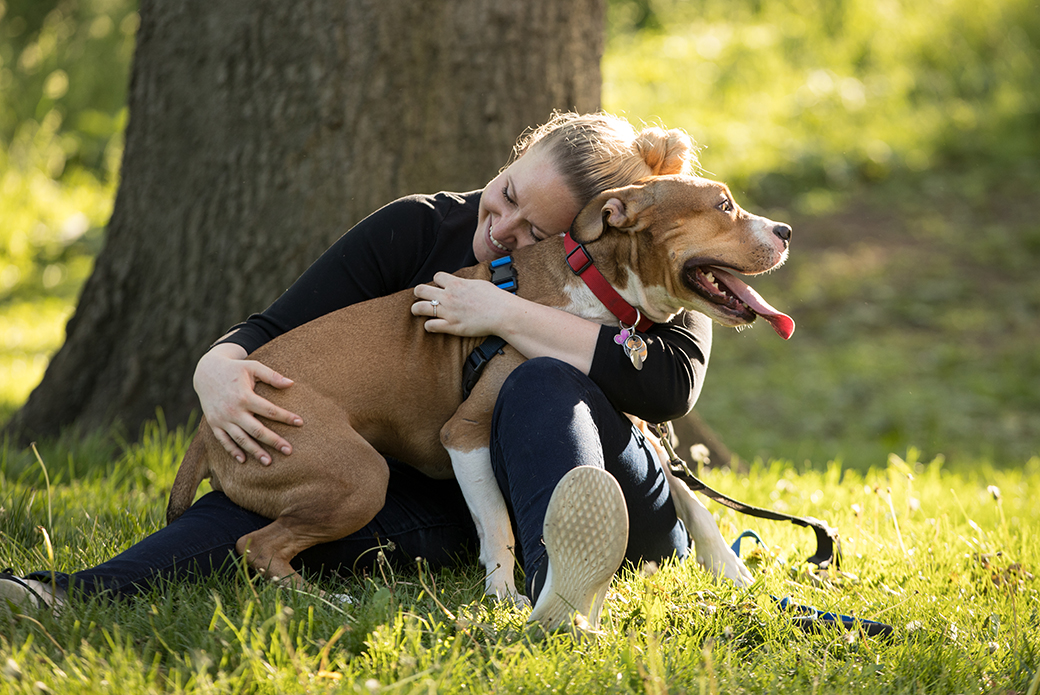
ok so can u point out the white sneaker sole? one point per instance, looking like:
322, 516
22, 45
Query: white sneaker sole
15, 591
585, 533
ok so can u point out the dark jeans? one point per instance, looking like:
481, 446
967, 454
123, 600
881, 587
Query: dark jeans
549, 418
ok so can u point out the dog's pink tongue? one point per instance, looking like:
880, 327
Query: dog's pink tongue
781, 323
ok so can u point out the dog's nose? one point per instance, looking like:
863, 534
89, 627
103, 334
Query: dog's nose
783, 231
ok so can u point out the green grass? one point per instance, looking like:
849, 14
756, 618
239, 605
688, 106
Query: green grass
917, 327
900, 141
946, 561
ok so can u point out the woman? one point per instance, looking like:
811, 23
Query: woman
558, 423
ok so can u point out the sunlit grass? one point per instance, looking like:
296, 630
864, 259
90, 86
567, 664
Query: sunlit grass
790, 95
50, 231
948, 559
917, 330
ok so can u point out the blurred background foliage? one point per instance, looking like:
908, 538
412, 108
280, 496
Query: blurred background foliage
64, 67
901, 138
790, 95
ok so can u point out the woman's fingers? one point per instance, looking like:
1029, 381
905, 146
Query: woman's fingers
225, 382
262, 406
229, 444
459, 306
244, 436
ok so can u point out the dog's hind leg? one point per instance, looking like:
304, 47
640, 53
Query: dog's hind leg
270, 549
320, 509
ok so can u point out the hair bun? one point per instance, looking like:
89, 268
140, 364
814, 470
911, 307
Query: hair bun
666, 151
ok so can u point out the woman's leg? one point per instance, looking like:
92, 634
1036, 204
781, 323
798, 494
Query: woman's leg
551, 418
422, 517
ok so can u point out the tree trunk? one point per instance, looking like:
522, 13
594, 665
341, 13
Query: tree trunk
693, 430
259, 132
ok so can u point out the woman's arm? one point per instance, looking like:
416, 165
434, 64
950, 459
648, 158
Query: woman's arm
667, 386
381, 254
475, 308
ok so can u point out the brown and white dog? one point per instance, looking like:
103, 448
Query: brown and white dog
370, 381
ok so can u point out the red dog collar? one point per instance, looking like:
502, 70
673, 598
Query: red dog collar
584, 267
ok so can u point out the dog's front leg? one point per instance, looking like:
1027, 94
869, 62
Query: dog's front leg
713, 553
488, 507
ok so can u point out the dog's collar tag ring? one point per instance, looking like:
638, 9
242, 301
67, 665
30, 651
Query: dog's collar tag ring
634, 346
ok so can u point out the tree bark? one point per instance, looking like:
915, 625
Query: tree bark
259, 132
693, 430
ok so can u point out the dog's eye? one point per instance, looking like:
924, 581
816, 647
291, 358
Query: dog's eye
726, 205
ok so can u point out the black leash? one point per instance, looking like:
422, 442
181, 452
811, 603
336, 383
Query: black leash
828, 545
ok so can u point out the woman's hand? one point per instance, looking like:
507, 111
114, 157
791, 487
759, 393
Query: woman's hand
464, 307
224, 381
473, 308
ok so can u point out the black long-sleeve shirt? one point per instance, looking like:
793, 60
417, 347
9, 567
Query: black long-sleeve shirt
406, 242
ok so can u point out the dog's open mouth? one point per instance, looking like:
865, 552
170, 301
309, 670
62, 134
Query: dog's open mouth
736, 298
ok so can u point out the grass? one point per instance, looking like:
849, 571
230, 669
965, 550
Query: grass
947, 558
917, 327
899, 140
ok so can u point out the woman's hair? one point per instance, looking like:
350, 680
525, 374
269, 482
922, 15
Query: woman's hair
599, 151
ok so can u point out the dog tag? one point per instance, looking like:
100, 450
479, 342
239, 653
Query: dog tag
635, 348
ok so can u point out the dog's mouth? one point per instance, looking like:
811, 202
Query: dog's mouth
734, 298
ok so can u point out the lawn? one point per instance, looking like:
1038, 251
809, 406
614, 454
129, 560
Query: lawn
901, 142
947, 558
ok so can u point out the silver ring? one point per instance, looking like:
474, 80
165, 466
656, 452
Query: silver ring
434, 303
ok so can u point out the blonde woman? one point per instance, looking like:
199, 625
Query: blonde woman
559, 436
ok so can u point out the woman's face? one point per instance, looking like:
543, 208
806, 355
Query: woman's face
527, 202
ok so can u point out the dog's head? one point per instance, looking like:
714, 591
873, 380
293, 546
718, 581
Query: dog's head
679, 237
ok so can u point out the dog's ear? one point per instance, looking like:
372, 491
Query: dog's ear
618, 208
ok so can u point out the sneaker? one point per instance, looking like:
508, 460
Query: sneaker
25, 593
585, 533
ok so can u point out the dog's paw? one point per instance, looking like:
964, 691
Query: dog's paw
513, 597
721, 561
507, 593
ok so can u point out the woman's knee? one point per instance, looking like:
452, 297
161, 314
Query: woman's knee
544, 380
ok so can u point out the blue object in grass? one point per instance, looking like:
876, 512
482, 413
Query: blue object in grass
812, 619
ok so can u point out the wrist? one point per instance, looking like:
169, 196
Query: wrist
230, 351
204, 369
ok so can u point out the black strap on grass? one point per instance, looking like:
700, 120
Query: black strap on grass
828, 544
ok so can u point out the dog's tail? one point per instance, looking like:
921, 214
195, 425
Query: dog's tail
190, 475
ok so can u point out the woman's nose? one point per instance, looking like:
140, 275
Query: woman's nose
506, 228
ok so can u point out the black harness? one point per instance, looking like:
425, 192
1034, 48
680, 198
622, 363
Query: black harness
503, 275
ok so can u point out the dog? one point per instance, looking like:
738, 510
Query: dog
370, 381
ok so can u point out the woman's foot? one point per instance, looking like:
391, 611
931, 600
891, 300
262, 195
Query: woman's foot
28, 593
585, 533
